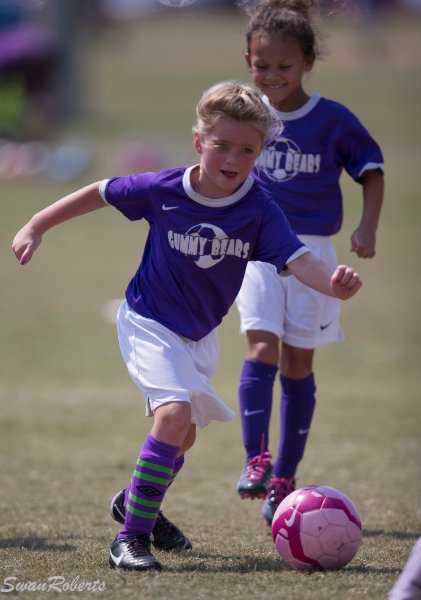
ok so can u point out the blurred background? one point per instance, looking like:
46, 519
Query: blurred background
59, 59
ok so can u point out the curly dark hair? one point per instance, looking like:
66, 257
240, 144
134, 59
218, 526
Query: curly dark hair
294, 18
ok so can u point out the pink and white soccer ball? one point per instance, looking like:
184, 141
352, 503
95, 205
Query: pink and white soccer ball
317, 528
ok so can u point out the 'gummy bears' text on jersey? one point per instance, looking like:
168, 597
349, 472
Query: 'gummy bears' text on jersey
197, 248
301, 167
283, 160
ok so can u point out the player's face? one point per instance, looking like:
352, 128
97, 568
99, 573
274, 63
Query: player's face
277, 65
228, 153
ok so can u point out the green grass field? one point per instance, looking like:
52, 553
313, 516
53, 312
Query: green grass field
72, 421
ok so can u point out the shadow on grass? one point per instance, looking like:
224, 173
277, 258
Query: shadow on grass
362, 569
213, 563
249, 564
399, 535
35, 543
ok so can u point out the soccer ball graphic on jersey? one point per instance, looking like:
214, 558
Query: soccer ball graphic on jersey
316, 528
212, 236
277, 160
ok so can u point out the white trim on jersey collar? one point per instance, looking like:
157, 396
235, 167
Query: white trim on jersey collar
295, 114
216, 202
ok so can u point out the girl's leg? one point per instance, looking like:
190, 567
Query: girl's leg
298, 400
118, 504
151, 477
166, 535
131, 550
189, 440
256, 388
154, 468
296, 411
255, 399
172, 423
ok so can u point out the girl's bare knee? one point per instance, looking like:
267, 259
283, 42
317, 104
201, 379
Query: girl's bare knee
263, 346
172, 422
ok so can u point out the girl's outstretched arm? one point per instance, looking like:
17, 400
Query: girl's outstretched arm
343, 283
83, 201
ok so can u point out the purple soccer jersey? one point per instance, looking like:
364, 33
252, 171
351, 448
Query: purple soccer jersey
301, 168
197, 248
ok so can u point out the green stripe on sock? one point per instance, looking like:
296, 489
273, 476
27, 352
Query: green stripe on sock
154, 467
151, 503
140, 513
147, 477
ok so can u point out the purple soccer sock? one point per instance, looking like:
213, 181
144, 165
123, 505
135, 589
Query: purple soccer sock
179, 462
152, 475
255, 398
298, 400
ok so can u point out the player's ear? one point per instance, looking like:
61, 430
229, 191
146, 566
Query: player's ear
310, 60
197, 143
248, 60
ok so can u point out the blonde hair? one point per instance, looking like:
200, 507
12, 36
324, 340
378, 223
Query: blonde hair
236, 101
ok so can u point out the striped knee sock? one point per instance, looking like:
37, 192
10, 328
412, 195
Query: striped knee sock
152, 475
179, 462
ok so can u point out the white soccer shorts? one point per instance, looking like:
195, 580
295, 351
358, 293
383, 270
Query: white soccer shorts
167, 367
297, 314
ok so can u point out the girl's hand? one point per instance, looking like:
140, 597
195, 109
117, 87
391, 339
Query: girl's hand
363, 243
345, 282
25, 243
78, 203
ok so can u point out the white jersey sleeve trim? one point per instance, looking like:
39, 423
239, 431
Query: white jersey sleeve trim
371, 167
285, 271
297, 253
102, 186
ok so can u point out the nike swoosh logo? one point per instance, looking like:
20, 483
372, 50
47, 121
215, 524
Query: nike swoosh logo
248, 413
302, 431
116, 559
289, 522
325, 326
165, 207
